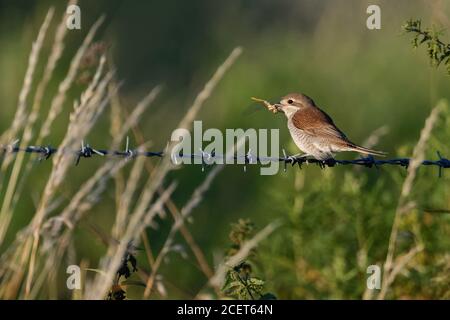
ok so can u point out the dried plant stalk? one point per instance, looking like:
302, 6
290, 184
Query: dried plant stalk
19, 122
58, 100
390, 270
217, 280
82, 119
55, 55
101, 284
21, 114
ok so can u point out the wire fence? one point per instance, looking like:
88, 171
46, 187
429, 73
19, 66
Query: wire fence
210, 158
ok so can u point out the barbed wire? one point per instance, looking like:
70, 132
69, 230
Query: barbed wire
86, 151
211, 158
369, 161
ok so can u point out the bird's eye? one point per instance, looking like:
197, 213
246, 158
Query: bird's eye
290, 101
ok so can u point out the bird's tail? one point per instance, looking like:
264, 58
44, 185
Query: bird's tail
354, 147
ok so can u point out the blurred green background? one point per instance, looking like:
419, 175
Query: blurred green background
363, 78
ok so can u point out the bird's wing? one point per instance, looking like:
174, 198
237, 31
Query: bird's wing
316, 123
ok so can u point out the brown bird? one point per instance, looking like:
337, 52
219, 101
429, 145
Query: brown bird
312, 130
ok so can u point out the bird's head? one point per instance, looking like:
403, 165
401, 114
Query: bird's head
291, 103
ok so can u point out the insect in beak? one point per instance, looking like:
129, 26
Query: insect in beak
271, 107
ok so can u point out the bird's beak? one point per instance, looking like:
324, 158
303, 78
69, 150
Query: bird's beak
279, 107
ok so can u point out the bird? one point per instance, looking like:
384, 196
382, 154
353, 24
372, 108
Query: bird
313, 130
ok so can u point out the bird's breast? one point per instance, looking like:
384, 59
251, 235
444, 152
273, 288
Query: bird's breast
302, 140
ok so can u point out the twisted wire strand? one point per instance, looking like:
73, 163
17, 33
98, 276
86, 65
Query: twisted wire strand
86, 151
369, 161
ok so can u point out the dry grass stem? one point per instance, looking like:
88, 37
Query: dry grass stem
56, 52
217, 280
101, 285
19, 122
82, 119
21, 114
58, 100
193, 202
140, 108
417, 158
179, 221
375, 137
175, 212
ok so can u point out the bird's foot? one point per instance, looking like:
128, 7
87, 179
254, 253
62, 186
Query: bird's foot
304, 158
328, 162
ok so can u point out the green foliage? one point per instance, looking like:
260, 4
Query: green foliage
438, 51
240, 232
239, 282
